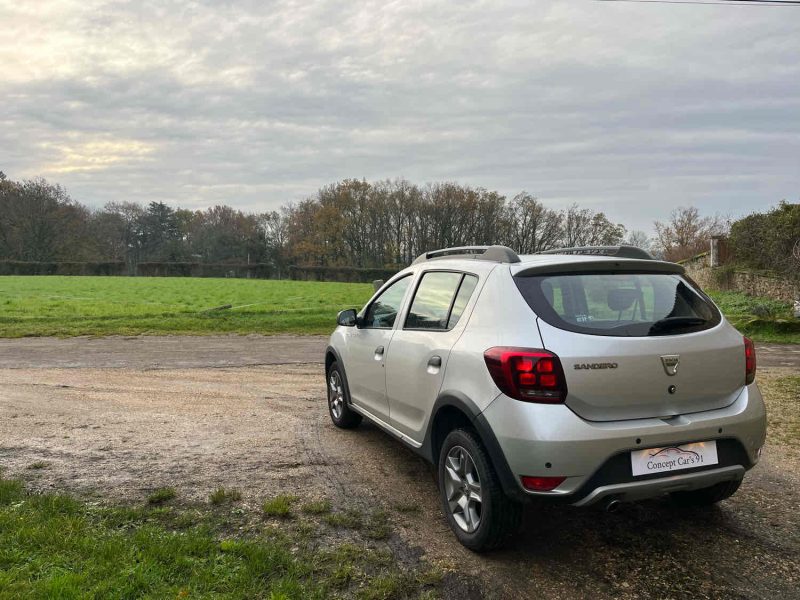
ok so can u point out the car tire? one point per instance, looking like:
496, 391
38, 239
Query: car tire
339, 399
481, 516
706, 496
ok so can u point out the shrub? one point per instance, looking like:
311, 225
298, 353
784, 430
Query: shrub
766, 240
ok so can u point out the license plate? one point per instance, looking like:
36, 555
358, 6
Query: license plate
674, 458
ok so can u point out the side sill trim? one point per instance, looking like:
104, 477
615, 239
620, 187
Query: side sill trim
386, 427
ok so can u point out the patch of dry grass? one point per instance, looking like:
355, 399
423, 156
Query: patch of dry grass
781, 390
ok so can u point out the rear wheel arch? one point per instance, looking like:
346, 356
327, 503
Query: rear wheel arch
454, 410
447, 418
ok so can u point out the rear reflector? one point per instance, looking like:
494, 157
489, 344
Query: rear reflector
541, 484
527, 374
749, 361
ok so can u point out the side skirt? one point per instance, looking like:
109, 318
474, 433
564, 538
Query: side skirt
386, 427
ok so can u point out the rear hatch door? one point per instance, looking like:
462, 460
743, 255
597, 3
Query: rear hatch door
637, 344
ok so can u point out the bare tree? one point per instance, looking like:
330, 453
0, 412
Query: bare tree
687, 234
532, 227
274, 229
584, 227
638, 239
40, 222
128, 216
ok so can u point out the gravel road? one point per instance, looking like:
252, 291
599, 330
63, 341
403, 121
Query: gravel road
119, 417
191, 352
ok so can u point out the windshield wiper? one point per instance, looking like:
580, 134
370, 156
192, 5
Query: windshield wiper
675, 323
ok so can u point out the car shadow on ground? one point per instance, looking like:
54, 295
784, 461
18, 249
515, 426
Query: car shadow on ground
650, 549
658, 549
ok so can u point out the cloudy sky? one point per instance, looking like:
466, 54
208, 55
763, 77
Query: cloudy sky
623, 107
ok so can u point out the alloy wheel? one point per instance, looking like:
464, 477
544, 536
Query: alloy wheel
462, 485
336, 395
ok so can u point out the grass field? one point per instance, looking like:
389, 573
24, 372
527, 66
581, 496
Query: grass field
68, 306
55, 546
762, 319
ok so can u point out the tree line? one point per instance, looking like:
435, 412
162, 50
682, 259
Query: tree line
351, 223
354, 223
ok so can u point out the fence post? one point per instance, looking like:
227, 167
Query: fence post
716, 242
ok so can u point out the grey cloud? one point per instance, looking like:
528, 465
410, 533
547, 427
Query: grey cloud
626, 108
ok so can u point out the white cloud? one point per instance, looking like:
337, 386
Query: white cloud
630, 108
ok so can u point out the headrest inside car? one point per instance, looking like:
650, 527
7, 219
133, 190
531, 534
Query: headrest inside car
621, 298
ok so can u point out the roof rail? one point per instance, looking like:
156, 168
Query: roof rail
501, 254
618, 251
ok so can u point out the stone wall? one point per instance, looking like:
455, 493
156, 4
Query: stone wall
698, 269
748, 282
756, 284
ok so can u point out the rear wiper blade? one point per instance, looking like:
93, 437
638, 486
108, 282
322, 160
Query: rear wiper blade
676, 323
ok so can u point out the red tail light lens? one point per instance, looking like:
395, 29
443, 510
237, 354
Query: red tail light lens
541, 484
749, 361
525, 374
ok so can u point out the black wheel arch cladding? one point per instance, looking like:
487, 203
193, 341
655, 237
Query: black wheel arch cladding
446, 404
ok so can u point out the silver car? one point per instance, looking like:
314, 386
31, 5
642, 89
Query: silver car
589, 376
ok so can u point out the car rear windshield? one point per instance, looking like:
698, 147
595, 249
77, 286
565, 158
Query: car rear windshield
615, 304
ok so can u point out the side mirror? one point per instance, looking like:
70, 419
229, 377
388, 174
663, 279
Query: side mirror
347, 318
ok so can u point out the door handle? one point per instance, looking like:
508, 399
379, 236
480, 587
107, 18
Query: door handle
435, 361
379, 353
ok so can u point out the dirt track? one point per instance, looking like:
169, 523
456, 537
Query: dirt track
189, 352
120, 432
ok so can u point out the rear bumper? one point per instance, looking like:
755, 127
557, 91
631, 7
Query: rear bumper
639, 490
551, 440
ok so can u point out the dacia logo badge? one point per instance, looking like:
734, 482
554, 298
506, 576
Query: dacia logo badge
670, 362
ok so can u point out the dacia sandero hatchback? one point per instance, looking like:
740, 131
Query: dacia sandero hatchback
589, 376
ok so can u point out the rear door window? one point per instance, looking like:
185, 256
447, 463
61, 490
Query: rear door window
440, 300
465, 290
615, 304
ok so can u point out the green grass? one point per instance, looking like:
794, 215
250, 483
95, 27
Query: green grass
54, 546
69, 306
349, 519
762, 319
223, 496
316, 507
374, 525
161, 495
279, 506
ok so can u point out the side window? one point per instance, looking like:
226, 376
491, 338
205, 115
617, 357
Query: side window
382, 313
462, 297
434, 301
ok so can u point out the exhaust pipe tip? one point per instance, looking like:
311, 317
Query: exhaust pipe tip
612, 505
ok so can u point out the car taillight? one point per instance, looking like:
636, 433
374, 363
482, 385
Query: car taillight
525, 374
749, 361
541, 484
